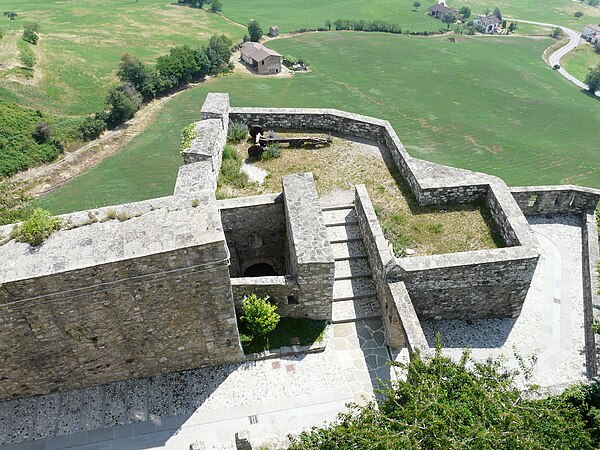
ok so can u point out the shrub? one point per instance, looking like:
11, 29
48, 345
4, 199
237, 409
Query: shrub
231, 174
37, 228
42, 132
92, 128
259, 315
237, 132
230, 153
272, 151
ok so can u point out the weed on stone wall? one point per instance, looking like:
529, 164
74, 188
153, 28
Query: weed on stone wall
37, 228
237, 133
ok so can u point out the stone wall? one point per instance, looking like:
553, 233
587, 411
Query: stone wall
283, 291
255, 231
591, 297
116, 300
311, 256
555, 199
401, 323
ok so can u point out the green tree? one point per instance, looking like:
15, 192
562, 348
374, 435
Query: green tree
132, 70
417, 5
27, 60
447, 404
512, 27
597, 48
578, 15
216, 6
254, 31
498, 14
122, 102
449, 19
593, 2
464, 12
328, 24
593, 79
10, 14
92, 128
30, 32
218, 53
557, 32
259, 315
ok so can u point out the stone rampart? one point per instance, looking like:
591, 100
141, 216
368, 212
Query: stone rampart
555, 199
591, 297
283, 291
117, 299
311, 256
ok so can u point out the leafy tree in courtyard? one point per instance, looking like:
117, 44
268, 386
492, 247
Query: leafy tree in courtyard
465, 404
498, 14
10, 14
593, 79
259, 315
255, 31
417, 5
578, 15
216, 6
464, 12
449, 19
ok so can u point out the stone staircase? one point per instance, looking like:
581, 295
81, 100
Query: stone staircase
354, 294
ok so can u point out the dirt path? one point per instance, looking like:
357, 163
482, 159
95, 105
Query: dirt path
44, 179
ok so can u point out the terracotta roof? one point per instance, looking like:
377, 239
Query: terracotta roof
257, 51
594, 27
488, 20
442, 9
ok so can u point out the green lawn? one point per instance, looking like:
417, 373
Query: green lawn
81, 42
579, 62
486, 104
307, 332
295, 14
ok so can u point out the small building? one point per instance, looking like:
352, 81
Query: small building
489, 23
591, 33
274, 31
262, 59
439, 10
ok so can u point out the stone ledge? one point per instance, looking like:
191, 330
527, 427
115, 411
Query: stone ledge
315, 347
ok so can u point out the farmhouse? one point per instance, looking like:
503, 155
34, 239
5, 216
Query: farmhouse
489, 23
261, 58
439, 10
591, 33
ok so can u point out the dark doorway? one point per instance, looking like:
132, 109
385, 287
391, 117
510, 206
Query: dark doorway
260, 270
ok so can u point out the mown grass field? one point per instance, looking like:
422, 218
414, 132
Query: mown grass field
579, 62
81, 42
295, 14
486, 104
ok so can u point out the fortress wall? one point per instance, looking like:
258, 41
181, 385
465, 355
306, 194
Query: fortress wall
255, 231
591, 292
555, 199
311, 256
107, 323
279, 289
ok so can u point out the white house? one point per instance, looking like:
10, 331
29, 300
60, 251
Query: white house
591, 33
489, 23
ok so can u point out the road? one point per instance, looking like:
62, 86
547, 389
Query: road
574, 41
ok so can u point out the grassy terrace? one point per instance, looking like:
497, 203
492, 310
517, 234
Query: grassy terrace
579, 62
427, 230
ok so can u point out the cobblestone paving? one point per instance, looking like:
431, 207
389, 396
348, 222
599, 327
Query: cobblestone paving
551, 322
171, 411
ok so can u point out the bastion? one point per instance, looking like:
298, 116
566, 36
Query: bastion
154, 287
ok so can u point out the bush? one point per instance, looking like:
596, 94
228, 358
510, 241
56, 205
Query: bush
230, 153
272, 151
42, 132
37, 228
231, 174
92, 128
259, 315
237, 132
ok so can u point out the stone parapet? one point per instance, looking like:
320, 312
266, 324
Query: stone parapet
565, 199
591, 297
194, 178
283, 291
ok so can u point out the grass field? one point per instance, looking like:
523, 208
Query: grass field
579, 62
81, 43
294, 14
487, 104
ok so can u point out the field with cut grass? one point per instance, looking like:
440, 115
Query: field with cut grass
295, 14
579, 62
486, 104
81, 43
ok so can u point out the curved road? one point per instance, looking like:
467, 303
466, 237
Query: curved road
574, 40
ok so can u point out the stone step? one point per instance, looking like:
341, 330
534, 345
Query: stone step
340, 217
353, 288
348, 250
344, 233
353, 310
336, 207
352, 268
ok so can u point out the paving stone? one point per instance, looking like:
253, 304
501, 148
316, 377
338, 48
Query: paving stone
180, 394
346, 250
348, 268
344, 233
353, 288
69, 419
6, 414
47, 415
115, 404
23, 417
137, 400
92, 416
158, 397
199, 387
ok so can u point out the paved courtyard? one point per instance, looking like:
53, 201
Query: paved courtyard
551, 322
268, 398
